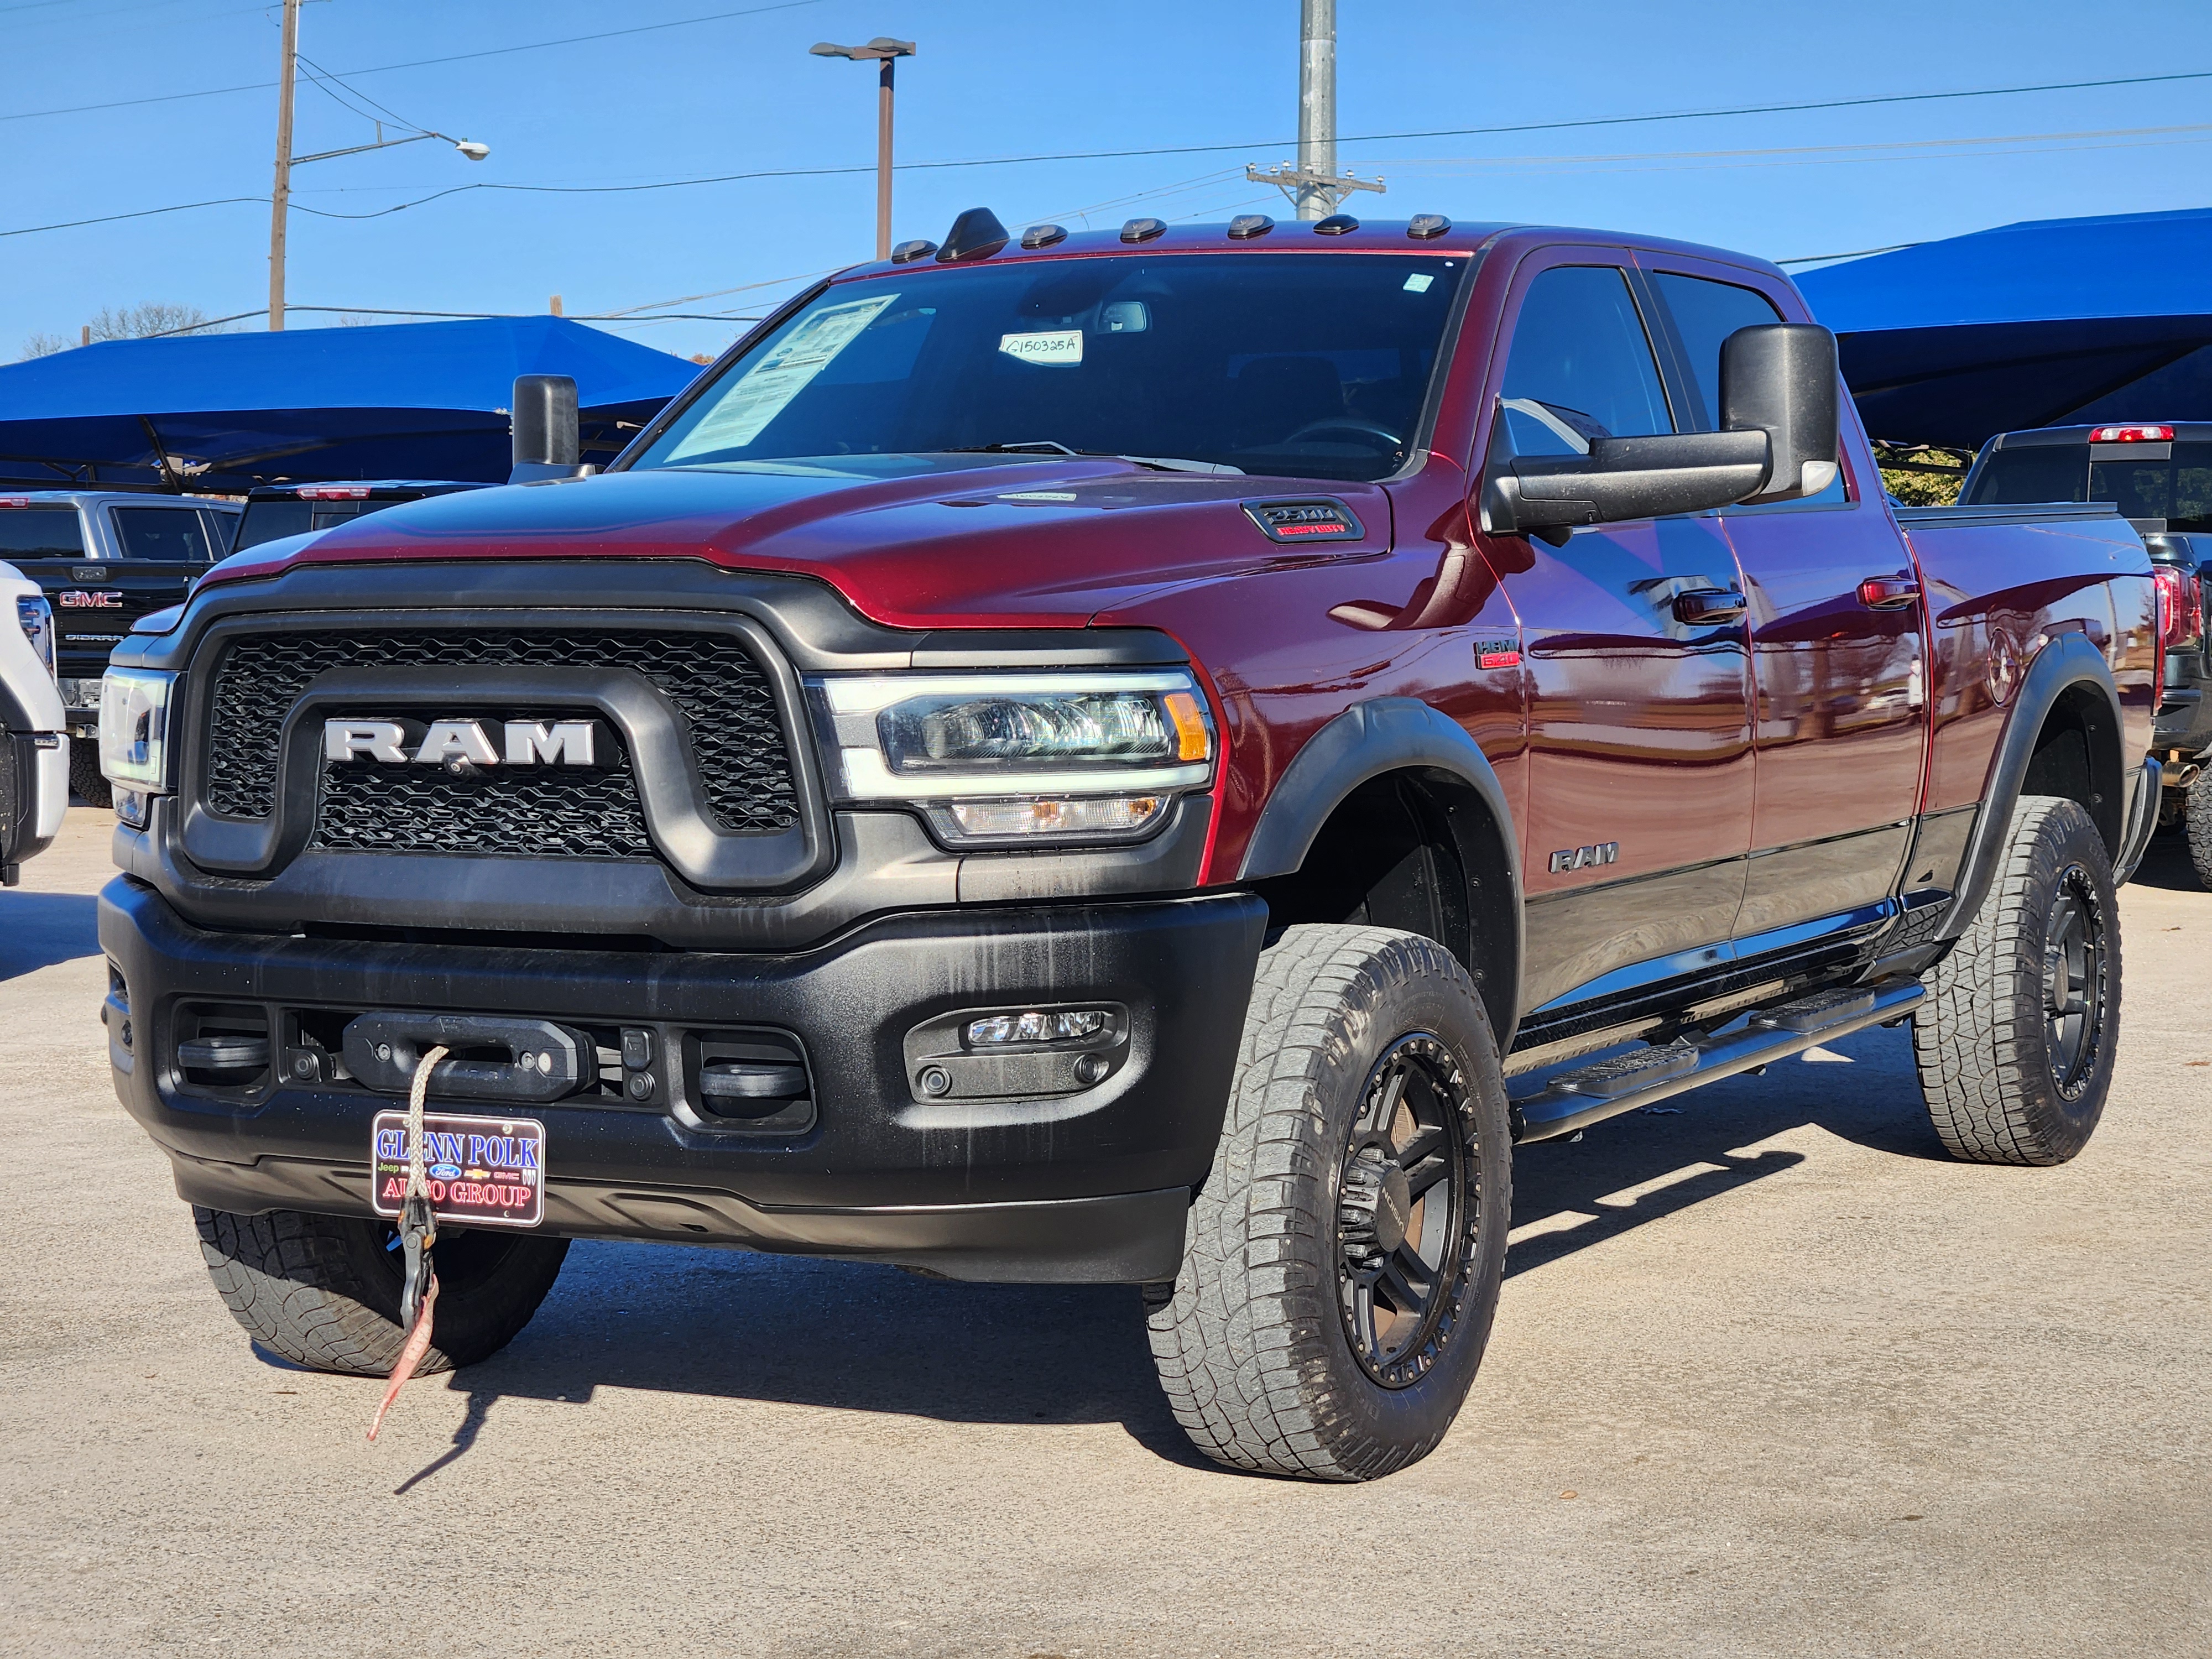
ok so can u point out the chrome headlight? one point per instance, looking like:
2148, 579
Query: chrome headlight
134, 729
36, 617
1022, 759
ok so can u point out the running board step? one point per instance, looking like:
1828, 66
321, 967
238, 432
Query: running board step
1577, 1099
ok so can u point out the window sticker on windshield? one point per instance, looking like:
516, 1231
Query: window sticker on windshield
1419, 282
1038, 495
1060, 346
764, 390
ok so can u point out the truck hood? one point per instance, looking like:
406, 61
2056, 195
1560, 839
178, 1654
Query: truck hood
909, 541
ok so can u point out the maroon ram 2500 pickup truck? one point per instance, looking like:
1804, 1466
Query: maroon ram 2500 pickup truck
1154, 757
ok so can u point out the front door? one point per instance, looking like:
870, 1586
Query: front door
1836, 653
1639, 773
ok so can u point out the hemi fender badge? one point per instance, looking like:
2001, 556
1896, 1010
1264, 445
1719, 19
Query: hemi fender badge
1321, 520
1498, 654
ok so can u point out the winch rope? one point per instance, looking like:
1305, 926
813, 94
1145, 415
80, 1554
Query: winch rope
418, 1231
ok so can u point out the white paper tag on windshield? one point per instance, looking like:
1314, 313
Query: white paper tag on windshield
1063, 345
764, 390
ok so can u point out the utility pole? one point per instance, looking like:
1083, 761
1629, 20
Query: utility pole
280, 198
884, 51
1314, 184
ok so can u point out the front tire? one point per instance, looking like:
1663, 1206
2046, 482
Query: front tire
323, 1291
86, 778
2015, 1042
1344, 1258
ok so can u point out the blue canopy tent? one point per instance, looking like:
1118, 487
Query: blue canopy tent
223, 412
2050, 322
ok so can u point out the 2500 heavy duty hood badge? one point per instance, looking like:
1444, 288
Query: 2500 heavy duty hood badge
461, 744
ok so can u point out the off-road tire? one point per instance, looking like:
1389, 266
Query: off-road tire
2001, 1087
86, 779
2197, 824
323, 1291
1255, 1346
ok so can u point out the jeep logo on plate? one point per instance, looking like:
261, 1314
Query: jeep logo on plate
461, 746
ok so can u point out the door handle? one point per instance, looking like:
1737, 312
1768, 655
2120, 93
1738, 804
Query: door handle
1888, 593
1703, 607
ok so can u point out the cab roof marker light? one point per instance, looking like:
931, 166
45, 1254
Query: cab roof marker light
1427, 226
907, 252
2132, 435
1246, 226
1143, 230
1037, 236
1337, 224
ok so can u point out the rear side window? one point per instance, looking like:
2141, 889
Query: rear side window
1580, 366
40, 532
173, 534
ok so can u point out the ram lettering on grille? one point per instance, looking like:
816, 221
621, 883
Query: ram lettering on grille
727, 701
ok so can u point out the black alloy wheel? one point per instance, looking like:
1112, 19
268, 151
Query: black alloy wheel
1406, 1212
2075, 980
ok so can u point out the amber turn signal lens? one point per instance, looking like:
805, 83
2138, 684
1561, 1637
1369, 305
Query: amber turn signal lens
1191, 744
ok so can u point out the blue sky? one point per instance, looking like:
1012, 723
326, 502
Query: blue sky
996, 79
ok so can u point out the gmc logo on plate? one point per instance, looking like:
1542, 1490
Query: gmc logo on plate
462, 746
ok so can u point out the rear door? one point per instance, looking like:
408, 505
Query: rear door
1639, 770
1841, 728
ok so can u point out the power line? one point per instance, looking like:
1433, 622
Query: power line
421, 63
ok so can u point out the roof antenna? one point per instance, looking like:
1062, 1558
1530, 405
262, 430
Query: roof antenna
975, 235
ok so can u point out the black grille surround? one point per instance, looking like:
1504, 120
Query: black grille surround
726, 698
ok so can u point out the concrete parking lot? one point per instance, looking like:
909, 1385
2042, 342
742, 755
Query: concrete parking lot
1771, 1377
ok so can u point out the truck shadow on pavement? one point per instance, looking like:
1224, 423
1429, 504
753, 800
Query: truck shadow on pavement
37, 930
2166, 864
853, 1337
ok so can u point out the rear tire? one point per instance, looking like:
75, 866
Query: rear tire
2015, 1040
1344, 1258
323, 1291
2197, 824
86, 778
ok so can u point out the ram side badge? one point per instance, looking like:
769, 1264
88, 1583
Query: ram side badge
1322, 520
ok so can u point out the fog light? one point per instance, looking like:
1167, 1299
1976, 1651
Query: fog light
1096, 815
1035, 1025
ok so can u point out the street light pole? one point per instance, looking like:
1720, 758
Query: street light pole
280, 198
885, 52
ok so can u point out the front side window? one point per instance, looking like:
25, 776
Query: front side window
162, 532
1300, 364
1581, 365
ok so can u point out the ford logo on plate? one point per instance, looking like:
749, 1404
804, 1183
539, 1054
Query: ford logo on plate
446, 1171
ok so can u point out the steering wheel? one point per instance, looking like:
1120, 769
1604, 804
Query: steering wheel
1354, 423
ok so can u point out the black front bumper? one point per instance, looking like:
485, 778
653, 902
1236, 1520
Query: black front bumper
1086, 1184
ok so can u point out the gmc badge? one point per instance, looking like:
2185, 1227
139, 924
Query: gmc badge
1324, 519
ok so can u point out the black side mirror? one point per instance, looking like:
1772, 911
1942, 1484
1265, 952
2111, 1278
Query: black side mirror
1778, 417
548, 437
1780, 378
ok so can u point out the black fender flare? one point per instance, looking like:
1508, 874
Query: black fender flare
1367, 739
2067, 661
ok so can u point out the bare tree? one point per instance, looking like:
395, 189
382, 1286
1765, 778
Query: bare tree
150, 317
42, 344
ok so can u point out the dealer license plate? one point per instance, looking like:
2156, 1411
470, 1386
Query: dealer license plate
484, 1171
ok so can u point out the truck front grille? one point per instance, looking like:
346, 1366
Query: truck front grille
727, 701
411, 809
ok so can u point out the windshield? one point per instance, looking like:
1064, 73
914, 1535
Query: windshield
2177, 490
1308, 364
